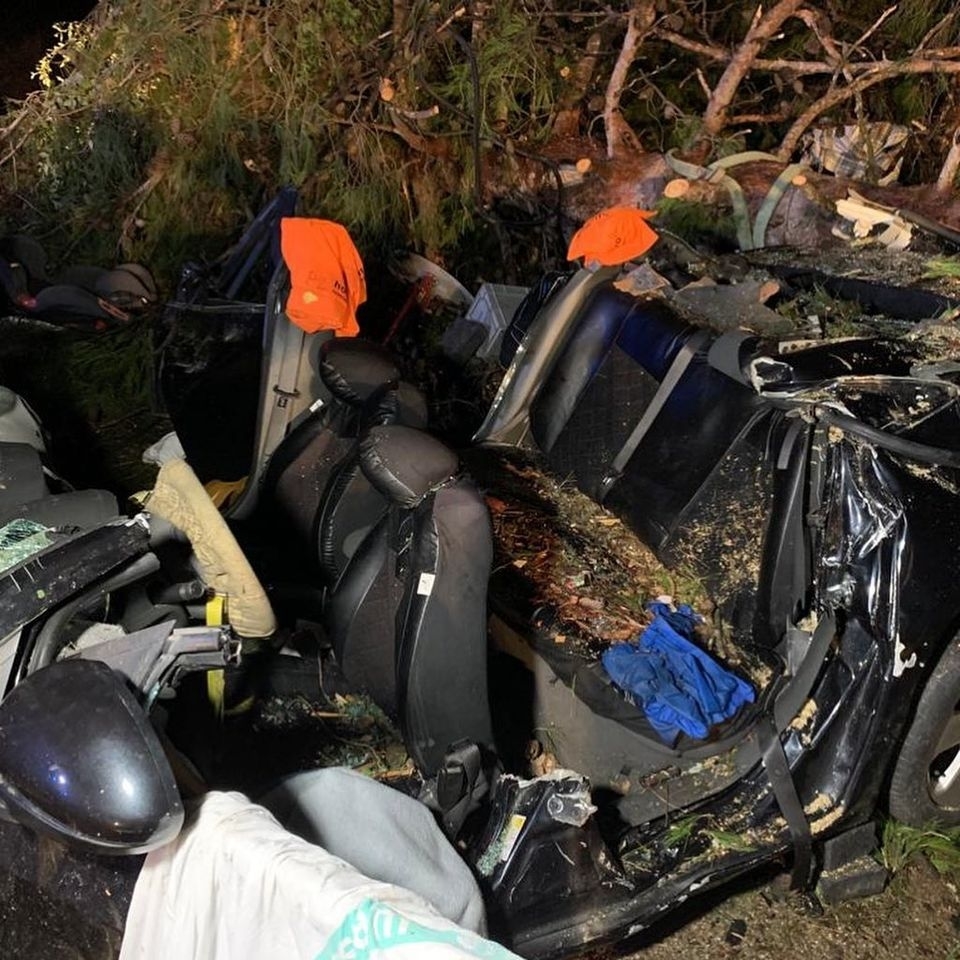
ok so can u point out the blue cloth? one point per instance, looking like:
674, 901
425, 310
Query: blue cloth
680, 688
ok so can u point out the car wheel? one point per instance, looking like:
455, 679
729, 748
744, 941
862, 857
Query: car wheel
925, 788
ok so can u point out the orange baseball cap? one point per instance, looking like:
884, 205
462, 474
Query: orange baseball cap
613, 236
326, 275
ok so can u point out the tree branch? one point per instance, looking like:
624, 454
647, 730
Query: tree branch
877, 75
711, 51
763, 27
797, 67
639, 21
567, 123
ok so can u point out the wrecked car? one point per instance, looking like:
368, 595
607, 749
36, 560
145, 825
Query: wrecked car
810, 493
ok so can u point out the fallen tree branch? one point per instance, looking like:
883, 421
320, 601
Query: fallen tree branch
639, 21
567, 122
763, 27
720, 54
837, 96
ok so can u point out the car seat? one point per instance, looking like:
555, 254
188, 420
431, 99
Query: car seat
363, 382
407, 617
350, 504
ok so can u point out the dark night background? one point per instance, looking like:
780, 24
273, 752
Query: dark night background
29, 32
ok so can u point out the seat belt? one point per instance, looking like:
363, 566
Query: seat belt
785, 708
461, 783
676, 370
785, 790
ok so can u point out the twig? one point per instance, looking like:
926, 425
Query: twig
777, 116
711, 51
702, 80
814, 20
934, 30
865, 36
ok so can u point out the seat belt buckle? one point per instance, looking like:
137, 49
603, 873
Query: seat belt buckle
607, 483
458, 775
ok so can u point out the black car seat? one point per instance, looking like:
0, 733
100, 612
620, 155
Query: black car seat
634, 385
363, 382
353, 371
407, 617
351, 505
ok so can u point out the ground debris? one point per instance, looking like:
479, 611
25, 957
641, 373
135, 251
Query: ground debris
349, 731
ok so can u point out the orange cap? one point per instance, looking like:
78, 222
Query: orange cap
326, 275
613, 236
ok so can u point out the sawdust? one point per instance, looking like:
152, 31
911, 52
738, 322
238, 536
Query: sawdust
818, 804
827, 821
806, 715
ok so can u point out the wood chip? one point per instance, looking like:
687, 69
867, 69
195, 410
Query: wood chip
676, 189
588, 603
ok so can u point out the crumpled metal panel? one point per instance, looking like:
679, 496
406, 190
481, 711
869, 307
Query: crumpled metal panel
864, 540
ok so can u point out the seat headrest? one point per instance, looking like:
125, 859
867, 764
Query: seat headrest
405, 464
354, 369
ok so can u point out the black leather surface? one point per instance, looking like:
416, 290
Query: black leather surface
442, 627
405, 464
353, 370
360, 617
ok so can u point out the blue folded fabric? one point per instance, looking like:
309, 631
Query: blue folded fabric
680, 688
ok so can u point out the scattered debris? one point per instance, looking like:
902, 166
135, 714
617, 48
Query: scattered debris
736, 932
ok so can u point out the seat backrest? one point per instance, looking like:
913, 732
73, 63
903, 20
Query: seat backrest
407, 617
603, 381
355, 373
351, 505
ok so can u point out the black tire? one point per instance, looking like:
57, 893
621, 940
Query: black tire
925, 788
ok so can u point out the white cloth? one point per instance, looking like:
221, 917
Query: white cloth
236, 886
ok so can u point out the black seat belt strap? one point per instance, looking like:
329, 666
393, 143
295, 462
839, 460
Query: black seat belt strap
672, 377
460, 783
785, 790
